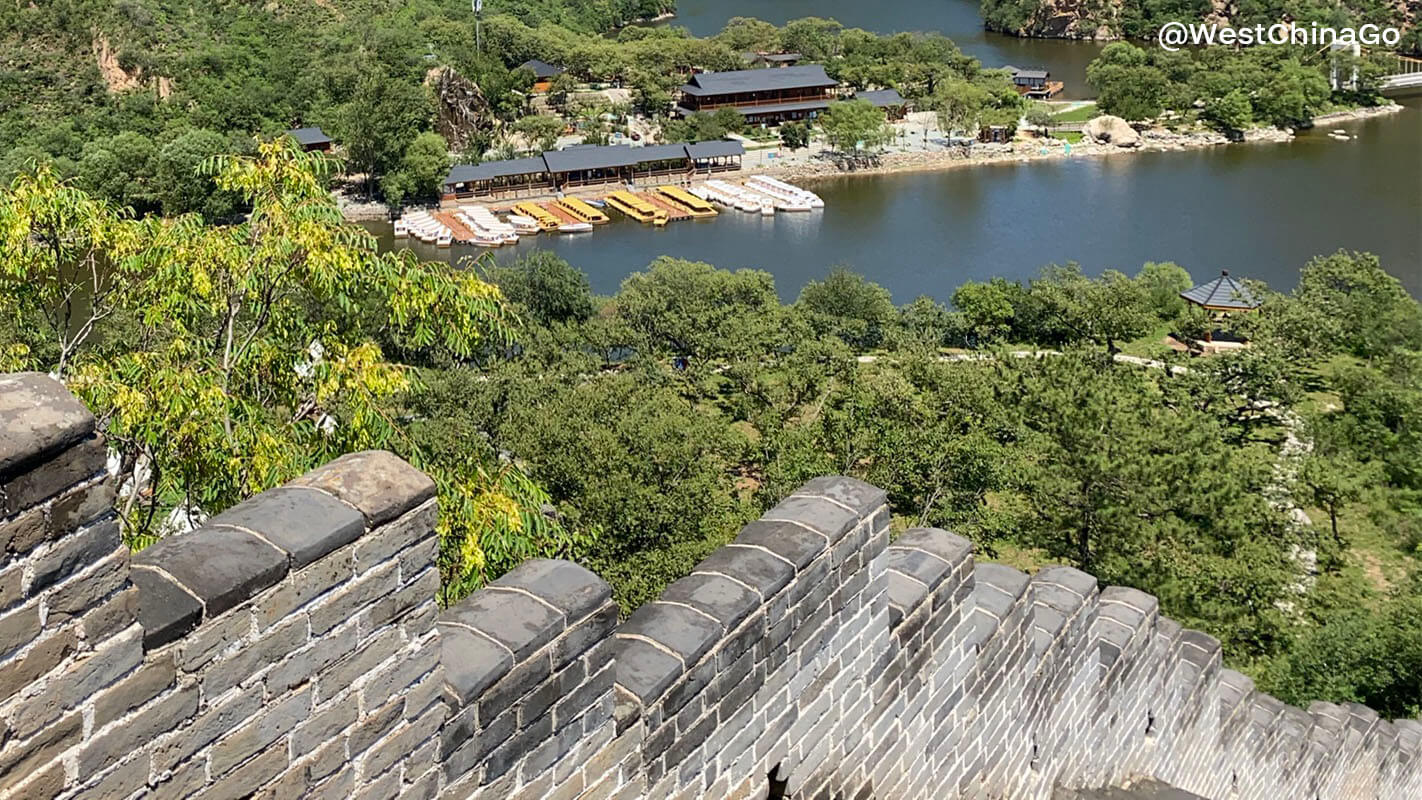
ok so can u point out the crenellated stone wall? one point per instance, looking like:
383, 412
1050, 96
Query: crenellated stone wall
292, 647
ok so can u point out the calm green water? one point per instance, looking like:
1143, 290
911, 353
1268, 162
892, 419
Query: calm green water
1259, 211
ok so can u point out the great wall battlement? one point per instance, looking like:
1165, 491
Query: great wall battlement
292, 647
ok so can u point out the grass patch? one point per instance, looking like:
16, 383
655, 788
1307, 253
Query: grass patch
1081, 114
1068, 136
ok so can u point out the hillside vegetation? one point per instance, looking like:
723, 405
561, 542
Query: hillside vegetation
1140, 19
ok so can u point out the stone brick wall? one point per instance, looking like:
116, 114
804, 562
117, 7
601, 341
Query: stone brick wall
292, 647
287, 648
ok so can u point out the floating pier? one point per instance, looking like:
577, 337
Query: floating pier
478, 224
687, 202
581, 211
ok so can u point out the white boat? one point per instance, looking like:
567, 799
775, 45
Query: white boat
482, 218
484, 239
402, 230
575, 227
524, 225
788, 191
445, 238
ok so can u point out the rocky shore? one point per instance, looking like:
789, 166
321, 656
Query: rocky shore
1150, 140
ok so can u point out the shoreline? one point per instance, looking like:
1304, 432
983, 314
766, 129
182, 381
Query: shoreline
1153, 140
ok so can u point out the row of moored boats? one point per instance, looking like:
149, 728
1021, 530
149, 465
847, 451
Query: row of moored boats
487, 229
423, 226
760, 194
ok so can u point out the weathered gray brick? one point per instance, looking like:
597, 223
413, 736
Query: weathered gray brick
303, 586
253, 657
403, 742
341, 675
248, 778
89, 673
49, 478
302, 665
74, 552
134, 732
383, 543
210, 723
378, 483
323, 726
272, 723
18, 762
343, 603
135, 689
43, 656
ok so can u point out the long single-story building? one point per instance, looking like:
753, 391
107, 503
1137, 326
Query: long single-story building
761, 95
589, 165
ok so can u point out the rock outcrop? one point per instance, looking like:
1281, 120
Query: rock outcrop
462, 108
1107, 129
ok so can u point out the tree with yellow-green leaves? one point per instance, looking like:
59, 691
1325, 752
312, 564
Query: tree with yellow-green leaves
225, 360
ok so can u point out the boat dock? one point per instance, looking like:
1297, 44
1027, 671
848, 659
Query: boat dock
680, 201
458, 229
477, 223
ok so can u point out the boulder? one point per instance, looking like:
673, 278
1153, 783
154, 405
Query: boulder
1107, 129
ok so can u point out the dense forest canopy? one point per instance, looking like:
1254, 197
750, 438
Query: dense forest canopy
636, 433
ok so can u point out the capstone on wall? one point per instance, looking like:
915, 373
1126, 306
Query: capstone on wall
292, 647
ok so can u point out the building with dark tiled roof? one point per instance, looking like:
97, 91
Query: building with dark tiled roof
1221, 294
588, 165
761, 95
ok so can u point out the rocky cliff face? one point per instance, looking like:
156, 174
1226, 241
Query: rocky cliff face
463, 110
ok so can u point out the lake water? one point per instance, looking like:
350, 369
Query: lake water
1260, 211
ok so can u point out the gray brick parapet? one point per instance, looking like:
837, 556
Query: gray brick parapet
292, 647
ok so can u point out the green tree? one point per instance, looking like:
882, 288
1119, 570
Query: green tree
1040, 117
959, 105
850, 124
849, 306
795, 135
688, 308
1127, 85
1164, 281
989, 309
1231, 113
382, 118
233, 358
179, 182
422, 170
539, 132
551, 289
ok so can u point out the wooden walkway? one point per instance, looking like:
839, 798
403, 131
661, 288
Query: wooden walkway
457, 229
562, 215
673, 210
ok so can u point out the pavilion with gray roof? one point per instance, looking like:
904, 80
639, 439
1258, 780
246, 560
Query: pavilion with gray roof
1221, 294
